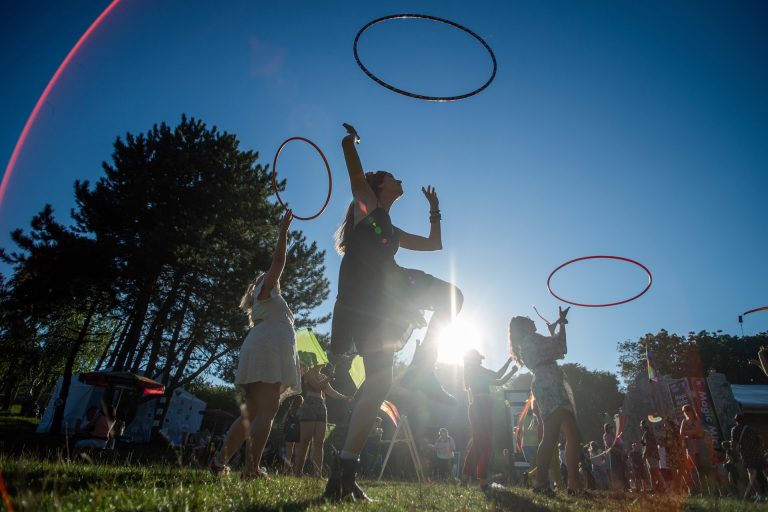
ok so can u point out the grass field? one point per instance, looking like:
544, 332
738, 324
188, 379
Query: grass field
40, 478
92, 486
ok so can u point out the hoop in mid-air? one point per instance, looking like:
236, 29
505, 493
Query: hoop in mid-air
650, 281
327, 168
421, 96
741, 316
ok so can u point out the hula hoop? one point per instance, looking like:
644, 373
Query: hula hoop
741, 316
327, 168
421, 96
620, 258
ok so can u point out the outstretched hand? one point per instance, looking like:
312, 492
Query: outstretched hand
351, 132
286, 222
431, 194
563, 313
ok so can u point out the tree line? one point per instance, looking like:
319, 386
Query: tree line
147, 275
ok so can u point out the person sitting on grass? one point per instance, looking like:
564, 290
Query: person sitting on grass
103, 425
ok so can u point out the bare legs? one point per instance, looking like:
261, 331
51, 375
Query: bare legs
558, 420
311, 431
256, 415
368, 400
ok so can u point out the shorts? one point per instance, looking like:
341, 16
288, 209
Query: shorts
313, 409
384, 325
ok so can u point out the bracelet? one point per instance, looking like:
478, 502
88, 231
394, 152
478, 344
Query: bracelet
434, 216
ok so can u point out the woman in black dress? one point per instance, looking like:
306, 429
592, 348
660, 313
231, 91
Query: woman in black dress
379, 303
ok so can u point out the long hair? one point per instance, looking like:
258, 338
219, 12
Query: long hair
247, 301
344, 230
516, 335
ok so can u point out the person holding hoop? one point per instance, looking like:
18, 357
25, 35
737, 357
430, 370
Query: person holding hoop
269, 363
379, 303
552, 393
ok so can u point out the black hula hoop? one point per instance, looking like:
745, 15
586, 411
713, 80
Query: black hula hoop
327, 168
650, 281
421, 96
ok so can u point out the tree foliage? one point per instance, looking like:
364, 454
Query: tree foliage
693, 355
153, 266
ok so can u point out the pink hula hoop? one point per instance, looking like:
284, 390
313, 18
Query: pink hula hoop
327, 168
620, 258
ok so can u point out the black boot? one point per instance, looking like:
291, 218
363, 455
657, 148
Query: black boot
420, 376
349, 486
333, 486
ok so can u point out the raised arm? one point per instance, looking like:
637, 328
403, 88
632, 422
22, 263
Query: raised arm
272, 277
503, 368
434, 242
365, 197
505, 379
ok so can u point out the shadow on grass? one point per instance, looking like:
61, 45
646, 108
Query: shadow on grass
507, 500
288, 507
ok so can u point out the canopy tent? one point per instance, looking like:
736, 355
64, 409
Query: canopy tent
752, 397
183, 412
310, 351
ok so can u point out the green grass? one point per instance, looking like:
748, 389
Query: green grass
57, 485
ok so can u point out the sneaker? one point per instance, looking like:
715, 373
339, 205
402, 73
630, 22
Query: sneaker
258, 474
218, 469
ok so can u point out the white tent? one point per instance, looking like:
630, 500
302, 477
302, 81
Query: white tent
183, 412
81, 396
183, 415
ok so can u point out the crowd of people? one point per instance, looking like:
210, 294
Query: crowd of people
378, 305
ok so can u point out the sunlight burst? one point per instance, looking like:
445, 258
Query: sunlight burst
455, 339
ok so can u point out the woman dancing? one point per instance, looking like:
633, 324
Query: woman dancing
379, 303
268, 366
551, 391
478, 381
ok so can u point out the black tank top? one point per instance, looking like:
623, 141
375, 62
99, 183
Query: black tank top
369, 256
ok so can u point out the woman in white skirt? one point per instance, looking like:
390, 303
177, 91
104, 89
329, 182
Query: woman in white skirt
268, 367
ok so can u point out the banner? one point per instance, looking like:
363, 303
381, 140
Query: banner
680, 392
705, 409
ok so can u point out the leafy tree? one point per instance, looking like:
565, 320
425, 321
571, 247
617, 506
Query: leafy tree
161, 249
694, 355
596, 394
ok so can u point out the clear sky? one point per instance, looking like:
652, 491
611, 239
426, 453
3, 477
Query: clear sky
636, 129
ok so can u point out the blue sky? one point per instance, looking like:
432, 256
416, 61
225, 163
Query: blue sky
621, 128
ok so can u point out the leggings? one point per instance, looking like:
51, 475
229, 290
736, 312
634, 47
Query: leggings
479, 447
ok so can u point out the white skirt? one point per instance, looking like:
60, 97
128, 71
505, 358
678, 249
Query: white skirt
269, 355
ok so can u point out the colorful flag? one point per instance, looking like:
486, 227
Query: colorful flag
653, 373
391, 411
357, 371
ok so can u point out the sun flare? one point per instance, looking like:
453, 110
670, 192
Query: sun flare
455, 339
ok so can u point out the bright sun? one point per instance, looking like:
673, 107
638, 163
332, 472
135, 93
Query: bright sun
455, 339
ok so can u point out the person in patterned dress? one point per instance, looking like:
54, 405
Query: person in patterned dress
551, 391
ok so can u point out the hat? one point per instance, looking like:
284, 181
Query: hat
472, 354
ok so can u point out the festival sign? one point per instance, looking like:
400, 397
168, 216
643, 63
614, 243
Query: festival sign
705, 408
680, 392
